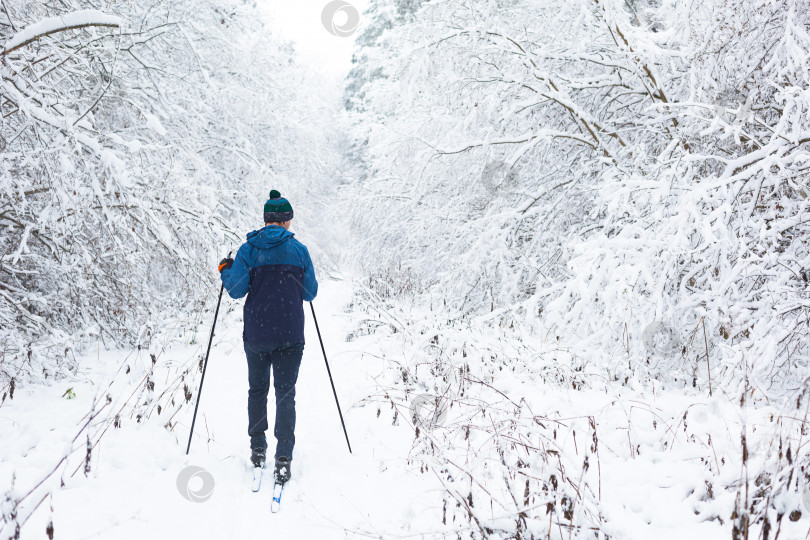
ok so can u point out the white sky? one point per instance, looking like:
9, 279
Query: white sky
300, 21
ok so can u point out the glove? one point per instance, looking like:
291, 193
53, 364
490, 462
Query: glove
225, 263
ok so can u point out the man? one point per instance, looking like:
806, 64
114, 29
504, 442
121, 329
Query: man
275, 271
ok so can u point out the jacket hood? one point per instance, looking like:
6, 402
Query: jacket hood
269, 236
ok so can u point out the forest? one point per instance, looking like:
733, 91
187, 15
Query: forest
568, 238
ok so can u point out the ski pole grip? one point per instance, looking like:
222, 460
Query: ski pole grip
222, 266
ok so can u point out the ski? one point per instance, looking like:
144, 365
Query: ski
275, 506
257, 479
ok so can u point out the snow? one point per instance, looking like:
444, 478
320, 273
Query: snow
84, 17
153, 123
564, 286
652, 480
132, 492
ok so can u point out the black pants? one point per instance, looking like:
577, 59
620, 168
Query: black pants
284, 359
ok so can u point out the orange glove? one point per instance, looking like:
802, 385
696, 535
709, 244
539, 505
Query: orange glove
225, 263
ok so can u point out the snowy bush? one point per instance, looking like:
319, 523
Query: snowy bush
508, 468
598, 167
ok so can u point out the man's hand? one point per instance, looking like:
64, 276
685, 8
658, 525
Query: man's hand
225, 263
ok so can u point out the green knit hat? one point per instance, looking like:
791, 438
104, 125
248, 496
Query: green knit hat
277, 209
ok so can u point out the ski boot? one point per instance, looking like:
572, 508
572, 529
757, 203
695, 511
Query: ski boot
258, 457
282, 472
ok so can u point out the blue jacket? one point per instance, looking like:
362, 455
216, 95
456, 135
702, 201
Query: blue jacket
275, 271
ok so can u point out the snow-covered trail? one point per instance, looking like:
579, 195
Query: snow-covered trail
332, 491
132, 490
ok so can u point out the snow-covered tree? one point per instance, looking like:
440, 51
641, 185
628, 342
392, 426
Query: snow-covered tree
618, 185
133, 144
367, 64
599, 166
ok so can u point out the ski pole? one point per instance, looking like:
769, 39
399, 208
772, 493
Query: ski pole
205, 364
329, 371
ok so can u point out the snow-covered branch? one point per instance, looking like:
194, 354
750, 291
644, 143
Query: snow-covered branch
71, 21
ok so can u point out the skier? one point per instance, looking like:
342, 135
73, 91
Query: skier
275, 271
